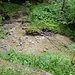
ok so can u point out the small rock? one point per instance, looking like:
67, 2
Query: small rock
13, 40
33, 42
26, 37
15, 36
19, 20
43, 37
30, 41
21, 43
24, 25
10, 33
17, 44
46, 73
23, 28
44, 50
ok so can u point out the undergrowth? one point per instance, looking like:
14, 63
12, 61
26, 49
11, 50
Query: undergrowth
8, 10
2, 31
50, 17
55, 64
43, 16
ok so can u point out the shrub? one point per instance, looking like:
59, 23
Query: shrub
69, 12
8, 10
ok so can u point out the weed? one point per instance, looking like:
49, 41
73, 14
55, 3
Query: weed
2, 31
49, 62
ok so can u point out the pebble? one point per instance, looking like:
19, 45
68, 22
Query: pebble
4, 47
46, 73
42, 37
21, 43
33, 42
15, 36
26, 37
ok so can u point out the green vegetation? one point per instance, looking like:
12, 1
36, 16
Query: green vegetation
43, 17
33, 30
56, 64
50, 17
9, 71
0, 18
8, 10
2, 31
14, 69
69, 17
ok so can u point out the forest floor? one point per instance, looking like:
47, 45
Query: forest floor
17, 40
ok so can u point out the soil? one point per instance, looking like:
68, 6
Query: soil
17, 39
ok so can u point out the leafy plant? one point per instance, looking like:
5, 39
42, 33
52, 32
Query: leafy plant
10, 9
69, 12
56, 64
52, 18
2, 31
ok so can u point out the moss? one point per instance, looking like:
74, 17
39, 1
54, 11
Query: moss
32, 30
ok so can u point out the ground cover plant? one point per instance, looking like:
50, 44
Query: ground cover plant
15, 70
56, 64
2, 31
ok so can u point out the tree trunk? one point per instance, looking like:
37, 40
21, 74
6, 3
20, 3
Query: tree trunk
63, 5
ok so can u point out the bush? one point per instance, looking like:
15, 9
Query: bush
8, 10
69, 12
50, 17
